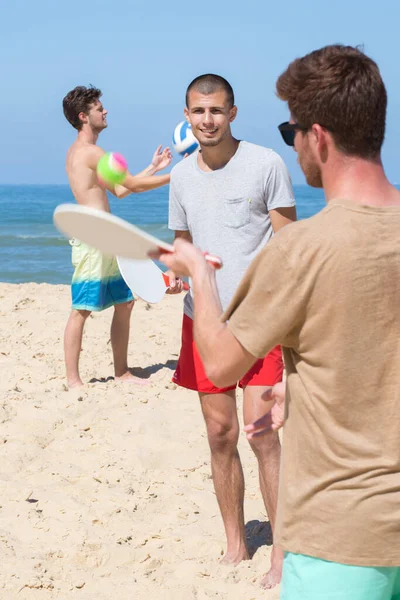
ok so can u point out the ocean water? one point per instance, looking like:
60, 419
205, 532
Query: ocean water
32, 249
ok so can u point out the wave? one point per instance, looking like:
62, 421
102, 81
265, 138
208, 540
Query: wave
31, 240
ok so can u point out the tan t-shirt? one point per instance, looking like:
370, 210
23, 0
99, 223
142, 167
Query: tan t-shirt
328, 290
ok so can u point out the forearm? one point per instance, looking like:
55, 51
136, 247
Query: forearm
140, 183
150, 170
207, 314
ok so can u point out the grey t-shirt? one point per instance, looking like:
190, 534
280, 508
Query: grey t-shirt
227, 211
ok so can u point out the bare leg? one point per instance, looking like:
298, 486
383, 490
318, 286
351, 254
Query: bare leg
220, 415
73, 344
268, 452
119, 342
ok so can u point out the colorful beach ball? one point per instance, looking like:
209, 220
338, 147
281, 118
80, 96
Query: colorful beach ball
183, 140
112, 168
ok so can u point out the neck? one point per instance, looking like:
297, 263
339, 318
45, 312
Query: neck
216, 157
359, 180
87, 135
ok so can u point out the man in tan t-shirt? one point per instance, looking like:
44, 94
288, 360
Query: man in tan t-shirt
328, 290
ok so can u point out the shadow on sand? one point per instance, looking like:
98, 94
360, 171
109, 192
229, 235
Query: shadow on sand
143, 373
258, 533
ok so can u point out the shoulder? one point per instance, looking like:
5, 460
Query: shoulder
257, 150
87, 152
184, 166
90, 155
307, 240
83, 155
267, 156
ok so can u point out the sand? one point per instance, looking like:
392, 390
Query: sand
106, 491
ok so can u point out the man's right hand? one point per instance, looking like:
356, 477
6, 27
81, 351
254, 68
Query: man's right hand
175, 283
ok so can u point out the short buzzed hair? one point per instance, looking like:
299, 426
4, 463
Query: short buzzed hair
79, 100
210, 83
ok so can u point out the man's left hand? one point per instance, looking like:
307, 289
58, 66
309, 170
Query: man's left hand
161, 158
275, 418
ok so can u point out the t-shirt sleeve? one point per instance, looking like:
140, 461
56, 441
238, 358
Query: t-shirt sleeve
269, 304
278, 188
177, 220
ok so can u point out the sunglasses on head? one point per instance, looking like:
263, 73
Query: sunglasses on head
288, 131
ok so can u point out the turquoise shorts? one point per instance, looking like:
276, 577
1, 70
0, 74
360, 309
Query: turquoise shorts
308, 578
96, 283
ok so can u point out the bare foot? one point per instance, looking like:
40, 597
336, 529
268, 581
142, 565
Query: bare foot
129, 378
271, 579
274, 575
74, 384
234, 558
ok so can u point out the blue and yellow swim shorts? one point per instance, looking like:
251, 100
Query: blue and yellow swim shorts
97, 282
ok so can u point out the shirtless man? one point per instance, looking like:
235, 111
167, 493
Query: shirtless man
97, 283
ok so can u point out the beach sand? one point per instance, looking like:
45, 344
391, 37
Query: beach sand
106, 491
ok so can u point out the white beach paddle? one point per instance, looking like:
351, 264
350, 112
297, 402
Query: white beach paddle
113, 236
145, 278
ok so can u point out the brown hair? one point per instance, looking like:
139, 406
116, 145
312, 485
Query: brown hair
79, 100
340, 88
210, 83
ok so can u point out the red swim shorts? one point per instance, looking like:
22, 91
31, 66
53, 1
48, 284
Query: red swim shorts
190, 372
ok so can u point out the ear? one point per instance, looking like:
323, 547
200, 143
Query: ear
186, 113
232, 114
83, 117
321, 139
318, 135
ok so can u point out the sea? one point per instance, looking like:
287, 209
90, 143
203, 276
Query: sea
33, 250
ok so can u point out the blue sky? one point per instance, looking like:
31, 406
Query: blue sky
143, 55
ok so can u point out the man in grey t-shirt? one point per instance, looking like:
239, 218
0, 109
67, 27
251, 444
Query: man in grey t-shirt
229, 198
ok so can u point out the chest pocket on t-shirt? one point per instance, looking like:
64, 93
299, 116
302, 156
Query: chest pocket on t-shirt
236, 212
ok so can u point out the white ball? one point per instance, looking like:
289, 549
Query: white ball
183, 139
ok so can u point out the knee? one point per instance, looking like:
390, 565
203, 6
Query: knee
80, 315
222, 436
125, 308
265, 445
